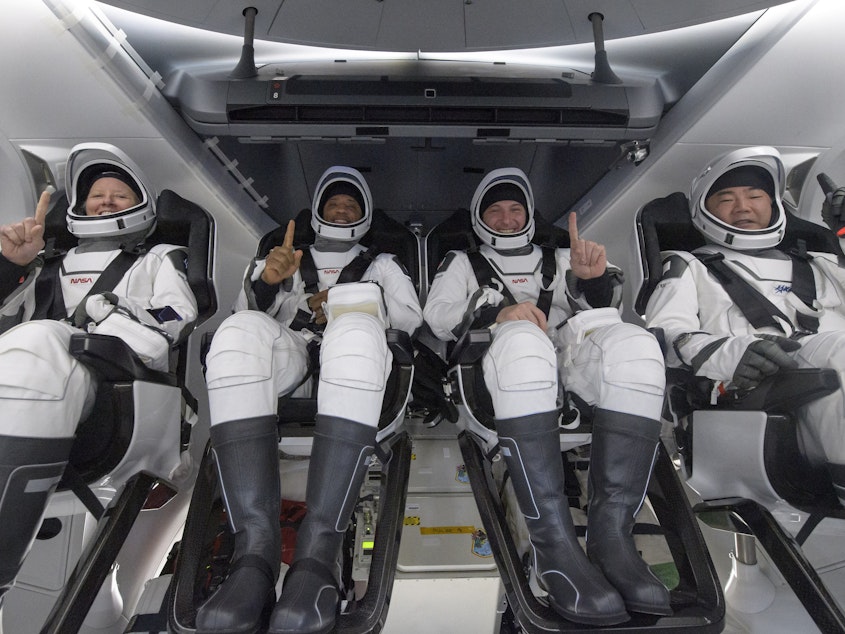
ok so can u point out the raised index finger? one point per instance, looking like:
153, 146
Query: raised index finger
573, 228
41, 208
288, 242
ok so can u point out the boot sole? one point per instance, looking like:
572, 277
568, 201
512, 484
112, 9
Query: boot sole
584, 619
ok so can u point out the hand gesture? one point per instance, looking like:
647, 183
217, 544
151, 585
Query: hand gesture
523, 311
587, 259
282, 261
315, 303
764, 357
833, 208
22, 241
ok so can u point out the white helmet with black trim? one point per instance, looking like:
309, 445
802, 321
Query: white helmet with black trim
759, 166
339, 179
88, 162
506, 183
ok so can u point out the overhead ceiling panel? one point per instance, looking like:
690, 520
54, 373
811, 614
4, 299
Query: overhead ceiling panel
350, 23
441, 25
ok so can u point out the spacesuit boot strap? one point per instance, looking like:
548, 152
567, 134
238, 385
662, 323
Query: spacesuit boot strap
340, 459
30, 470
623, 450
530, 446
247, 456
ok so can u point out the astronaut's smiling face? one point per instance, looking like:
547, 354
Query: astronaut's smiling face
505, 216
342, 209
746, 208
109, 195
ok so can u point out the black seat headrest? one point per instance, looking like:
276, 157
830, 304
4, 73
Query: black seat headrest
184, 223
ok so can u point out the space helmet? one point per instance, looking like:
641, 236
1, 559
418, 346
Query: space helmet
88, 162
342, 180
507, 183
760, 167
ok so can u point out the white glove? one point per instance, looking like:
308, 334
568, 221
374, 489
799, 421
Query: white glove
101, 306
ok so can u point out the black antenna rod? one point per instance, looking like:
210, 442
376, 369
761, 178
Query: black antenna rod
602, 73
246, 64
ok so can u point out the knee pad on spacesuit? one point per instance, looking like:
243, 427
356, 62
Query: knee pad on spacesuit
241, 351
633, 374
520, 370
354, 353
34, 361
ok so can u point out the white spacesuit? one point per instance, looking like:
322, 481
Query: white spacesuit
707, 331
260, 353
616, 367
44, 391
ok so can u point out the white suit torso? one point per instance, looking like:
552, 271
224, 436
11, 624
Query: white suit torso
48, 398
689, 299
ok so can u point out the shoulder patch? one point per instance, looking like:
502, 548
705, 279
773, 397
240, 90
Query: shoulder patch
674, 266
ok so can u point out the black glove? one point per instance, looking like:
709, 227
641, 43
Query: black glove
833, 209
763, 358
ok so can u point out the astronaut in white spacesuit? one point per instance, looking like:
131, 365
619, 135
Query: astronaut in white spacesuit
45, 392
259, 353
737, 205
555, 318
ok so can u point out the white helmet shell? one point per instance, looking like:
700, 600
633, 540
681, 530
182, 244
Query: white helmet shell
500, 241
84, 161
767, 158
342, 232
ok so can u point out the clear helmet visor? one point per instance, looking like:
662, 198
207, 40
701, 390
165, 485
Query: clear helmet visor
759, 167
87, 163
343, 180
510, 177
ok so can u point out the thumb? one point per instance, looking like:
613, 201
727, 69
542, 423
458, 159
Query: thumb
785, 343
827, 184
772, 351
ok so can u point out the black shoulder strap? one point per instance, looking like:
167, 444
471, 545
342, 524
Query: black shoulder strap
107, 281
758, 310
308, 271
804, 284
484, 275
548, 268
48, 304
352, 272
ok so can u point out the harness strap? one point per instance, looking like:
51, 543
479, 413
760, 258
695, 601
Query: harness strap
485, 274
352, 272
49, 302
804, 285
757, 309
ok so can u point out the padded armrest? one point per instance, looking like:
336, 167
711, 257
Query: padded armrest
785, 391
777, 394
400, 345
113, 360
470, 347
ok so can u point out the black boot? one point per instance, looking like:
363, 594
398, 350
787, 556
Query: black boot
340, 458
577, 590
30, 470
247, 456
621, 457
